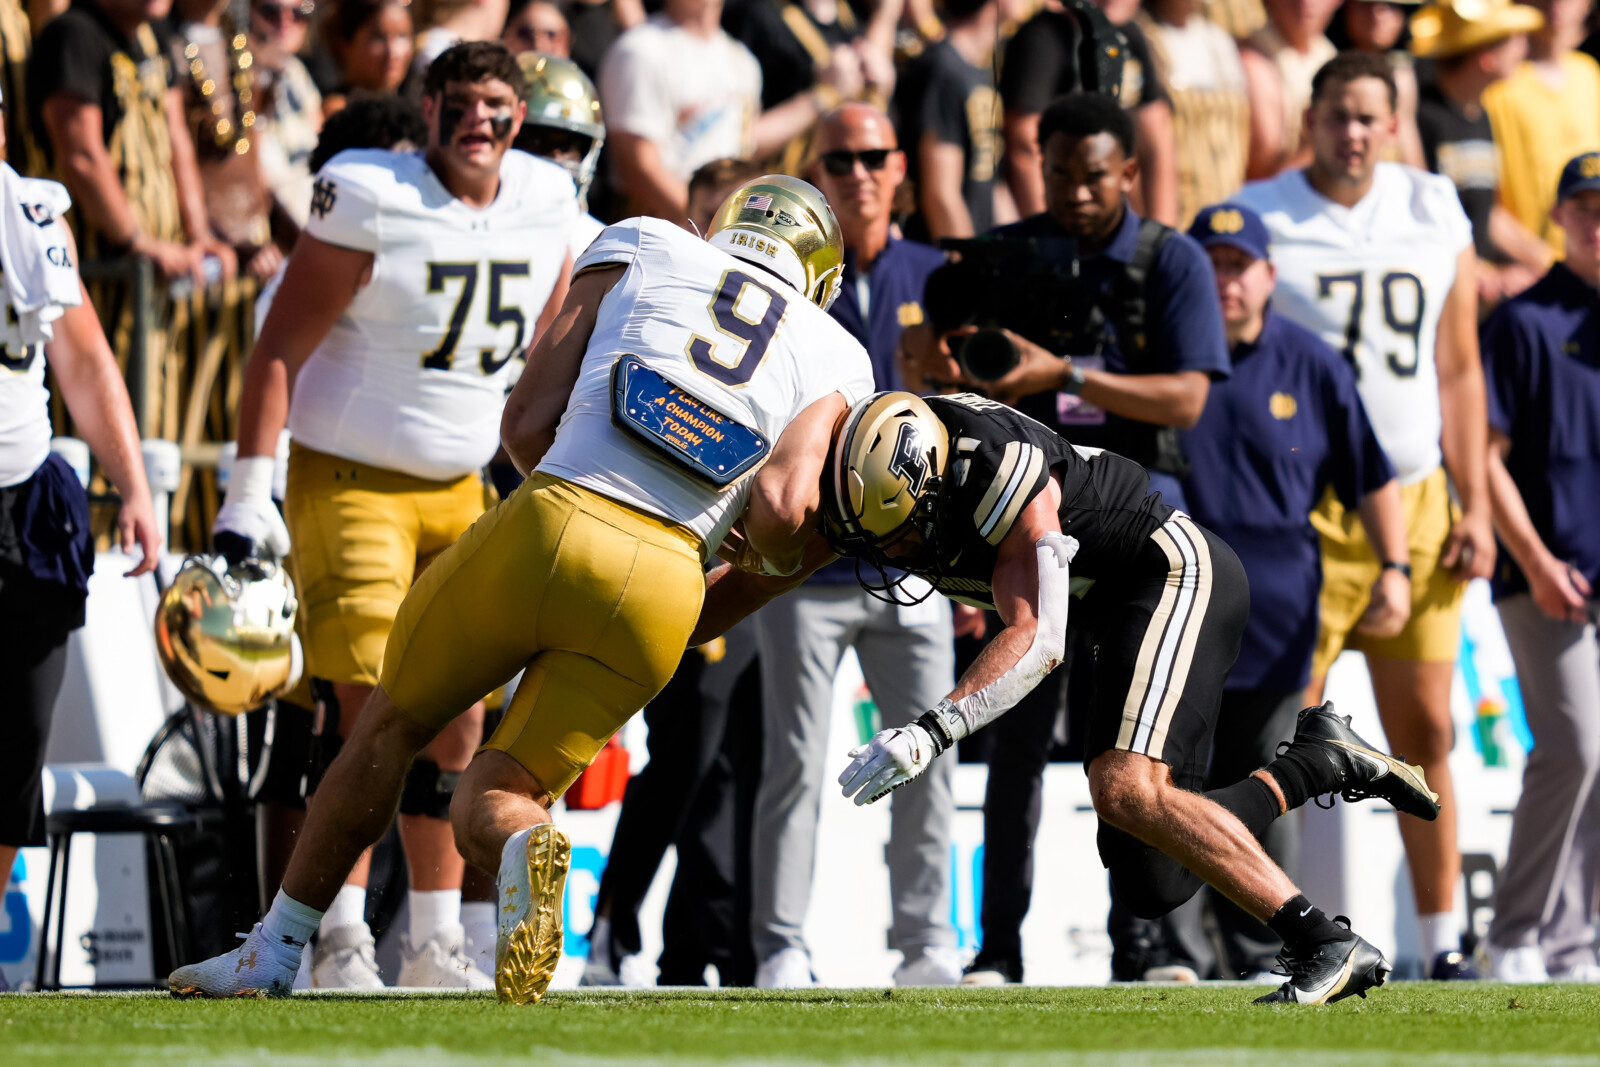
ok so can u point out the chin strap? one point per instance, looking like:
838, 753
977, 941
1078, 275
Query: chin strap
952, 720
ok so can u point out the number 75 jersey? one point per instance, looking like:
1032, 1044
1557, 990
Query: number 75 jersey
413, 376
1371, 281
721, 329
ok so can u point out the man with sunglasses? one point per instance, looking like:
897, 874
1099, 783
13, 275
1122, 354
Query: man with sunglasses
905, 653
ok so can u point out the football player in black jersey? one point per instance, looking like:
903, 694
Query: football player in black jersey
995, 510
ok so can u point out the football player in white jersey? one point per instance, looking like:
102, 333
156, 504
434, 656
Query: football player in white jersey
44, 512
564, 125
1376, 258
418, 278
676, 367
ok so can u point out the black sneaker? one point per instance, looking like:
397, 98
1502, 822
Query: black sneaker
1453, 967
1356, 769
1329, 972
992, 970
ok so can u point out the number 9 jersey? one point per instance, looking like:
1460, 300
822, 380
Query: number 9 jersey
1371, 281
737, 338
414, 374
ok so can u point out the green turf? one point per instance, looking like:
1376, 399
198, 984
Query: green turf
1460, 1025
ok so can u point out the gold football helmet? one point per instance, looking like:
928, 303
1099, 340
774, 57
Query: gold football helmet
225, 634
785, 226
881, 491
564, 122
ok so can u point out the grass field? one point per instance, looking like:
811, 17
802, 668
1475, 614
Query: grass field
1461, 1025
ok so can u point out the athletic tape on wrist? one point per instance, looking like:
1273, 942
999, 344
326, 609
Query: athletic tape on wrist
250, 480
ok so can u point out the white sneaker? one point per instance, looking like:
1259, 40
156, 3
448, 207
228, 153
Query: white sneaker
440, 963
345, 958
528, 946
1586, 973
260, 967
1522, 965
938, 965
635, 972
788, 968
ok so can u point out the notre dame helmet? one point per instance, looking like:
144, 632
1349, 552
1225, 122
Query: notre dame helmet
881, 489
563, 116
225, 634
785, 226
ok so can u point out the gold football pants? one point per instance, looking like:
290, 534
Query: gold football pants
595, 599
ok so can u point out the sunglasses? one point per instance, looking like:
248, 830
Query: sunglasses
841, 161
273, 12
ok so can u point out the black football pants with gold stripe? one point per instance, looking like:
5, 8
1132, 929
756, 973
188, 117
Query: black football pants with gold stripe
1167, 635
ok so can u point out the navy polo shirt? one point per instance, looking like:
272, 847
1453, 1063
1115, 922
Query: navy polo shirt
1184, 330
1541, 362
1286, 426
875, 306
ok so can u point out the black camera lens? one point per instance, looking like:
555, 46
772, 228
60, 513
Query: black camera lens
987, 355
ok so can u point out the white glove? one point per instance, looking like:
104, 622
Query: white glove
887, 762
248, 510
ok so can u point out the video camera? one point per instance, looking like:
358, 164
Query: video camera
1024, 284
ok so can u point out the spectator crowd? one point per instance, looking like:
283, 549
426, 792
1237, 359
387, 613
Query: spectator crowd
186, 133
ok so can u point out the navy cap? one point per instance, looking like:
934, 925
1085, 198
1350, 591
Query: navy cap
1232, 224
1580, 173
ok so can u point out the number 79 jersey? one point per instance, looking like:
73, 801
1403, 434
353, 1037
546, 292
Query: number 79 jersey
413, 376
1371, 281
723, 330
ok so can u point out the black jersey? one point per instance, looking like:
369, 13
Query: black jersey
999, 461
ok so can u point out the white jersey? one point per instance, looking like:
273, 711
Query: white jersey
24, 400
413, 375
722, 330
1371, 281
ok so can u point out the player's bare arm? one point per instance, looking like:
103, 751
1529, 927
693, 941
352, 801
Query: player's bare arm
1470, 549
528, 425
1383, 517
733, 594
781, 518
318, 284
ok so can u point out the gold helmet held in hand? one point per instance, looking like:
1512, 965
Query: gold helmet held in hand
785, 226
225, 634
563, 123
881, 488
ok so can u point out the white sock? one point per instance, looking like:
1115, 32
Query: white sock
290, 922
1438, 933
478, 920
349, 908
514, 856
432, 910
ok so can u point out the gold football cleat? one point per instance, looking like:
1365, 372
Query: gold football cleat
529, 945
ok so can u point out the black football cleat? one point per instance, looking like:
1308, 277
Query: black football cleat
1356, 769
1329, 972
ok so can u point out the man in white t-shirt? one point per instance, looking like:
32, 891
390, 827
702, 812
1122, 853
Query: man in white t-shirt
1377, 259
679, 93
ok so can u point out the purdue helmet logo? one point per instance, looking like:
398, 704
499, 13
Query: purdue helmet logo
910, 460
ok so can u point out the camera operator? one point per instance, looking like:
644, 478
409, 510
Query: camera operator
1102, 325
1112, 320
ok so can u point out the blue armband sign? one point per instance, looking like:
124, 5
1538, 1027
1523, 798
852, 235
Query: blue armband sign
705, 442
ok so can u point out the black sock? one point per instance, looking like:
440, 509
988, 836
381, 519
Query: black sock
1252, 800
1298, 776
1302, 925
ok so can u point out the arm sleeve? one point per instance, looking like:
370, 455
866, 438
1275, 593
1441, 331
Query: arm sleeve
1033, 64
944, 108
635, 101
1152, 88
1503, 342
1356, 462
344, 205
1187, 332
616, 244
69, 58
